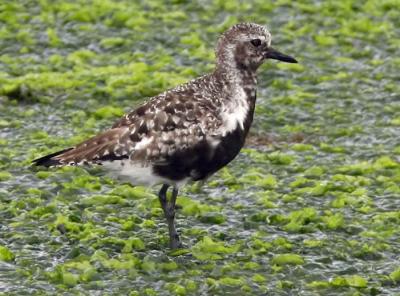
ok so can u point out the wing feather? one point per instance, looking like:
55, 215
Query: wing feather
171, 121
106, 145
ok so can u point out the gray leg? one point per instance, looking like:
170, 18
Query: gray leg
169, 212
162, 196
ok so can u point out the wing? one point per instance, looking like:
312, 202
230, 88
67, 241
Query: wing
167, 123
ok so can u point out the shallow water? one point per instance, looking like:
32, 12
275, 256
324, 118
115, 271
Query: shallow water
311, 206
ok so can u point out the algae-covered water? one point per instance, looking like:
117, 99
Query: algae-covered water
310, 207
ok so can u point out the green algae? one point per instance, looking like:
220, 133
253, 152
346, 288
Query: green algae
319, 185
351, 281
207, 249
6, 254
4, 176
284, 259
354, 281
395, 275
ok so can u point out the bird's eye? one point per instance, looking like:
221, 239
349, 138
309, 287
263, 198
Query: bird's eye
256, 42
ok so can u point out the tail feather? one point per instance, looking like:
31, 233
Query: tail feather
48, 160
105, 146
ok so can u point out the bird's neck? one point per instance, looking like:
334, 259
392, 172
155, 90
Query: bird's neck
237, 78
239, 89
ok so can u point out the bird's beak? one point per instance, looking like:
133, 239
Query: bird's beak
271, 53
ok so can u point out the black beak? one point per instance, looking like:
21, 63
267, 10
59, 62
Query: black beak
276, 55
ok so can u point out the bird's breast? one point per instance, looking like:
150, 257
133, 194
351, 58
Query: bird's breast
237, 111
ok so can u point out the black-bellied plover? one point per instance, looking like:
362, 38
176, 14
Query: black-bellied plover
186, 133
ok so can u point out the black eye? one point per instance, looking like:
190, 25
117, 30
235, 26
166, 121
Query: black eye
256, 42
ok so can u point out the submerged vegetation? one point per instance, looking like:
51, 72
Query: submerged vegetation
310, 207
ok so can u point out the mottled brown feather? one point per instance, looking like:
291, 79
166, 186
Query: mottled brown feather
94, 148
173, 120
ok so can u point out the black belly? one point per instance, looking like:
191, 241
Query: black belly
202, 160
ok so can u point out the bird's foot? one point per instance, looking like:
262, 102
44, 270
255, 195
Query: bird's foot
175, 242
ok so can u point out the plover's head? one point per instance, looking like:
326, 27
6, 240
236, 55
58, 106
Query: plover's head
247, 45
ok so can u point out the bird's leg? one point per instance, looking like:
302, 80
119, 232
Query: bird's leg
173, 234
169, 212
162, 196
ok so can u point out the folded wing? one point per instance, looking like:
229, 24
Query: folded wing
150, 134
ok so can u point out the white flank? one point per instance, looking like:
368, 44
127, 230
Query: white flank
143, 143
137, 174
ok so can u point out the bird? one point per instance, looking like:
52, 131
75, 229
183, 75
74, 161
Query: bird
186, 133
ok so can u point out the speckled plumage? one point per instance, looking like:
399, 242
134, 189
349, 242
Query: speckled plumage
188, 132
